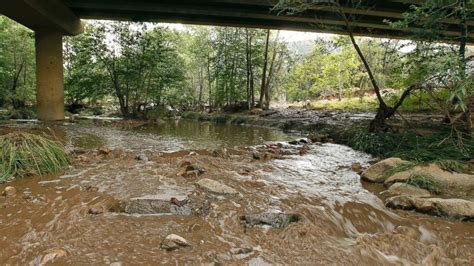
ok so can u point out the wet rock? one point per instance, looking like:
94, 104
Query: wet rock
158, 204
95, 210
379, 172
221, 153
398, 189
9, 191
452, 208
294, 142
242, 250
408, 231
244, 171
256, 111
448, 182
356, 167
400, 202
303, 150
103, 205
215, 187
118, 153
173, 242
277, 220
257, 155
317, 137
191, 171
103, 150
142, 157
50, 256
199, 169
184, 163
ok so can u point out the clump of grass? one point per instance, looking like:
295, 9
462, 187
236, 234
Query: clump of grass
24, 154
409, 145
402, 168
424, 181
452, 166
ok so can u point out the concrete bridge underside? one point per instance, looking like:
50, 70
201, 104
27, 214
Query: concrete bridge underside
52, 19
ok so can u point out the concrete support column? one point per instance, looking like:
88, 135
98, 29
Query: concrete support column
49, 75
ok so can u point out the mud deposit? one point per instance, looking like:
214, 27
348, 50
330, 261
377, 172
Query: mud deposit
273, 204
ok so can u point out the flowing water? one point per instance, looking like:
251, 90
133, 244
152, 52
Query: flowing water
343, 221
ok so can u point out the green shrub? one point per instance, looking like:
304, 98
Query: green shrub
24, 154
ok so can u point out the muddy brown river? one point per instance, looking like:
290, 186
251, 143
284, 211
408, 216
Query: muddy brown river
73, 218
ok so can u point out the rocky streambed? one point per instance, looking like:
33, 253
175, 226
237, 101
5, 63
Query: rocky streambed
137, 197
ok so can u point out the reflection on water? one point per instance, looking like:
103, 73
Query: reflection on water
174, 135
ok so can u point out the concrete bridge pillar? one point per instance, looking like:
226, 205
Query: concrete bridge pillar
49, 75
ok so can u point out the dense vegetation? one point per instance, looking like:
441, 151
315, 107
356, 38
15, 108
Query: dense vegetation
140, 68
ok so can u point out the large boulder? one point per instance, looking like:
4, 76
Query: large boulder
215, 187
448, 182
452, 208
380, 171
158, 204
398, 189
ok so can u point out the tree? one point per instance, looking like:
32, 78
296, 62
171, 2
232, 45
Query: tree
141, 64
85, 80
384, 110
17, 64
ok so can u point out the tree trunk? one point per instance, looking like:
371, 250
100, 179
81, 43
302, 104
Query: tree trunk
264, 71
249, 66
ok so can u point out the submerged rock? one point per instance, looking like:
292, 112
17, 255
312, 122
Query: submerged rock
379, 172
277, 220
158, 204
9, 191
398, 189
191, 171
142, 157
103, 150
173, 242
451, 208
215, 187
356, 167
50, 256
317, 137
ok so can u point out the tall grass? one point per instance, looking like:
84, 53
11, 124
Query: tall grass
424, 181
410, 146
23, 154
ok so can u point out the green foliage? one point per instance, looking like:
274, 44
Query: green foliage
25, 154
17, 64
424, 181
85, 80
138, 65
333, 69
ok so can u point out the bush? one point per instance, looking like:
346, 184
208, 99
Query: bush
24, 154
